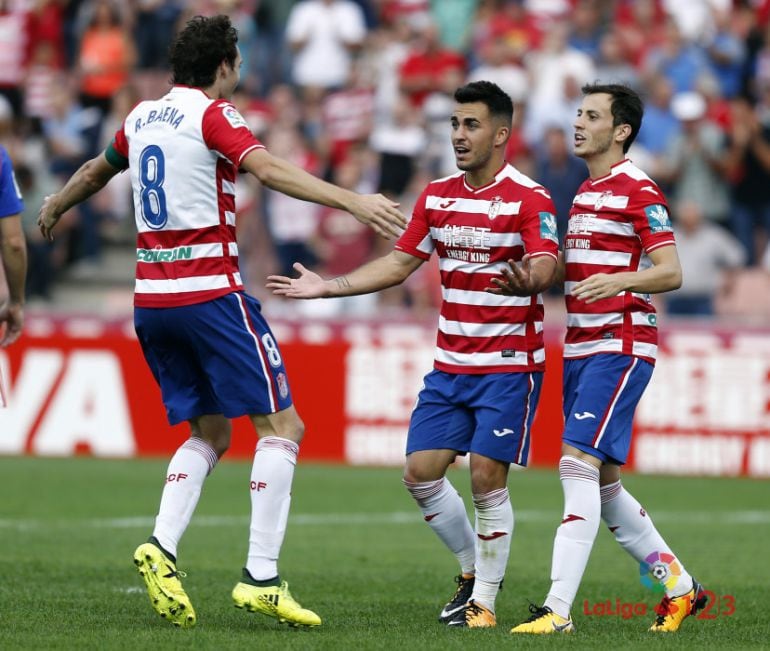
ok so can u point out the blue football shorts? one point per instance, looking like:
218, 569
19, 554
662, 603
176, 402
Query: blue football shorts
217, 357
490, 414
600, 396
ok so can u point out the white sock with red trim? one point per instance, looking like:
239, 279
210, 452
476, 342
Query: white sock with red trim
187, 470
576, 533
271, 477
494, 529
444, 511
635, 532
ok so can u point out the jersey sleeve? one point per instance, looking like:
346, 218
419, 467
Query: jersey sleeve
416, 240
10, 196
117, 150
225, 131
649, 214
538, 225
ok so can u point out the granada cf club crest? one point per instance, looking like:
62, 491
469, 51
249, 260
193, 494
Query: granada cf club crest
283, 385
603, 198
494, 207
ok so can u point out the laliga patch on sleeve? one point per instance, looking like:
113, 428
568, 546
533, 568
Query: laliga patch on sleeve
233, 117
657, 217
548, 229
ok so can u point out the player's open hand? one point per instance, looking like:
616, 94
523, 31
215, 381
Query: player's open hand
48, 217
308, 285
380, 214
516, 280
599, 286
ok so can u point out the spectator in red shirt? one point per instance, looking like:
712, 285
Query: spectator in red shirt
426, 64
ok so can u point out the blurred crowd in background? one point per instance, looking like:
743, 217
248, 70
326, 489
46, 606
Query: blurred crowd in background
360, 92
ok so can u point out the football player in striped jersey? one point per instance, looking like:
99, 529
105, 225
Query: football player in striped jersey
205, 340
481, 395
618, 250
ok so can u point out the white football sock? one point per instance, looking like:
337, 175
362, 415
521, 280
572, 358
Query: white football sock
271, 477
635, 532
576, 533
494, 529
444, 511
187, 470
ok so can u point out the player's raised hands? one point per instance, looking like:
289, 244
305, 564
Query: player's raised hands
379, 213
308, 285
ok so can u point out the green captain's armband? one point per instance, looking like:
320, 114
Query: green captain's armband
114, 158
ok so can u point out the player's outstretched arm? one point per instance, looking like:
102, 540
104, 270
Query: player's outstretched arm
664, 275
530, 276
391, 269
92, 176
375, 210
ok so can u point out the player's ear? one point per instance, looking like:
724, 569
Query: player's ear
622, 132
502, 135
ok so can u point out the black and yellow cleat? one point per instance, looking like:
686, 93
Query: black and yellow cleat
473, 615
543, 621
164, 588
460, 599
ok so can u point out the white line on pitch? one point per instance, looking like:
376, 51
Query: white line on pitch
397, 517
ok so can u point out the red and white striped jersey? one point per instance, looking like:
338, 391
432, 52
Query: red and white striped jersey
475, 231
183, 151
614, 222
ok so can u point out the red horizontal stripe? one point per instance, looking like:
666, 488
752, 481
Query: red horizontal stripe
170, 239
602, 306
486, 314
475, 281
186, 268
459, 344
186, 298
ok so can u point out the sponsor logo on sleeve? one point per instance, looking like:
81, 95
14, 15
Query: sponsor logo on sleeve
234, 118
548, 229
657, 217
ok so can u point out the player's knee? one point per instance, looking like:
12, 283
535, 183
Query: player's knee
487, 476
218, 440
295, 431
411, 477
221, 445
214, 431
415, 473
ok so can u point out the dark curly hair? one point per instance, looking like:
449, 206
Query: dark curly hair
200, 47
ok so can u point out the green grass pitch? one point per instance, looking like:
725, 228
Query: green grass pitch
357, 552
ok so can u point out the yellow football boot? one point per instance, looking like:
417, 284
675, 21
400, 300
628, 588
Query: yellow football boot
473, 615
161, 577
672, 610
543, 621
274, 601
